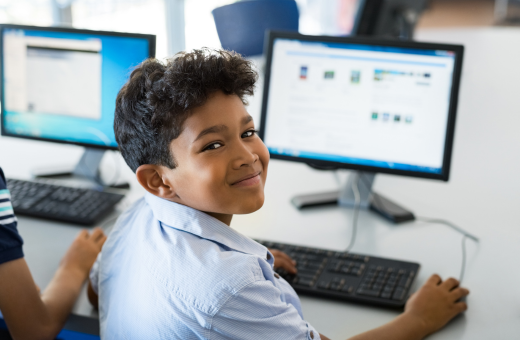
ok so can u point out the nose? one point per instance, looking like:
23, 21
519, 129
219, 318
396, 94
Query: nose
244, 156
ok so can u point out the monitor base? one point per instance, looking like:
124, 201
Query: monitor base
345, 197
87, 167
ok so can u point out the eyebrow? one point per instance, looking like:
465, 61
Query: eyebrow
220, 128
213, 129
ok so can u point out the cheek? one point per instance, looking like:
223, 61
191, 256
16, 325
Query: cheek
263, 154
201, 177
210, 172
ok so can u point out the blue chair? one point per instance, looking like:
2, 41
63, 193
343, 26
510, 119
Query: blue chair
241, 26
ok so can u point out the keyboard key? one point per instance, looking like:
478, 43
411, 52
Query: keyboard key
324, 284
399, 294
368, 292
335, 286
386, 295
402, 281
305, 282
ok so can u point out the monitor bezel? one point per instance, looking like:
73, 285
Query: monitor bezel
151, 54
452, 110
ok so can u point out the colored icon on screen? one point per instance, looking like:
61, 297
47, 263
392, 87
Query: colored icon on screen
374, 115
328, 75
355, 77
386, 116
408, 119
397, 118
303, 72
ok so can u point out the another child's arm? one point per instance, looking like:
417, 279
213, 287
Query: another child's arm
31, 316
427, 311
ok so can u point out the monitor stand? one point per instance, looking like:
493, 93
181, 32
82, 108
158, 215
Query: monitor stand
87, 167
368, 199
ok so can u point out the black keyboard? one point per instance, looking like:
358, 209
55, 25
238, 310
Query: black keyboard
61, 203
347, 276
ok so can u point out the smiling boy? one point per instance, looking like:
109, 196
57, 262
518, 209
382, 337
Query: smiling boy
173, 268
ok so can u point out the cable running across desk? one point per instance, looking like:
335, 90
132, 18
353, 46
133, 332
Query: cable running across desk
465, 236
355, 189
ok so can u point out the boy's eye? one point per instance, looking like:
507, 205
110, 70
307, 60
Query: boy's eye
249, 133
213, 146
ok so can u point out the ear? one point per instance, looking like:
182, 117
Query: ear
152, 178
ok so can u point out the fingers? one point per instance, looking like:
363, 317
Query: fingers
289, 266
83, 234
286, 257
459, 293
434, 280
97, 234
461, 307
282, 260
450, 284
101, 241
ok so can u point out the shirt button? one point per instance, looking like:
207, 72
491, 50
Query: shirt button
276, 275
312, 335
268, 256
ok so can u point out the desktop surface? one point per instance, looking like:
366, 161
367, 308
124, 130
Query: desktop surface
482, 196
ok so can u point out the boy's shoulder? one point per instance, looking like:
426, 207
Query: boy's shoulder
185, 256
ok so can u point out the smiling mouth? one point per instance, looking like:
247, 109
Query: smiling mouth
248, 180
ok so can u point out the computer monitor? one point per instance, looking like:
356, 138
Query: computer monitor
388, 18
375, 106
60, 84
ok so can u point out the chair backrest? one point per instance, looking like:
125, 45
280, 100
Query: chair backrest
241, 26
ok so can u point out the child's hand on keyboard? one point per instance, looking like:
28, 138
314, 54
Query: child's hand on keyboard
437, 302
282, 260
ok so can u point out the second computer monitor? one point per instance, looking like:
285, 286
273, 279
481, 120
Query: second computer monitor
362, 104
60, 84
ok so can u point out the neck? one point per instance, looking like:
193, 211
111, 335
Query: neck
224, 218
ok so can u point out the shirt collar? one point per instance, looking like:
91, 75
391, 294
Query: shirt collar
196, 222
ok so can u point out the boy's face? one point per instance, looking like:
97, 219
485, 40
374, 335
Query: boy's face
221, 162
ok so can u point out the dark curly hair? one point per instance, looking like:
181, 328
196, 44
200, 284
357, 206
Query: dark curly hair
153, 105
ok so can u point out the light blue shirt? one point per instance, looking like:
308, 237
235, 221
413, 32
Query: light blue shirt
168, 271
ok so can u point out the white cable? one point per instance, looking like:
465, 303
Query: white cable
357, 203
463, 267
465, 235
449, 224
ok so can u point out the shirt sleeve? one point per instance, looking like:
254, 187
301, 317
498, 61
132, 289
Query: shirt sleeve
10, 241
257, 312
94, 274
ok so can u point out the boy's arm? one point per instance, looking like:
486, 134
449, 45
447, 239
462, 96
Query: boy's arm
427, 311
29, 316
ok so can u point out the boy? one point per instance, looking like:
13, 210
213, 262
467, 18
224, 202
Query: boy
27, 314
172, 268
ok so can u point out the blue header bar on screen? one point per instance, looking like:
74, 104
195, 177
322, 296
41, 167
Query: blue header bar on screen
375, 48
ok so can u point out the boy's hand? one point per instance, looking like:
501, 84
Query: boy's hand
282, 260
83, 252
436, 303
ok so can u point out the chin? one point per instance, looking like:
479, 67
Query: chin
250, 206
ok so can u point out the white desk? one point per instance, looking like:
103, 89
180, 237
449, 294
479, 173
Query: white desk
481, 196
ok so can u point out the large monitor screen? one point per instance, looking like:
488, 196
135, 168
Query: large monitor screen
369, 106
61, 84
